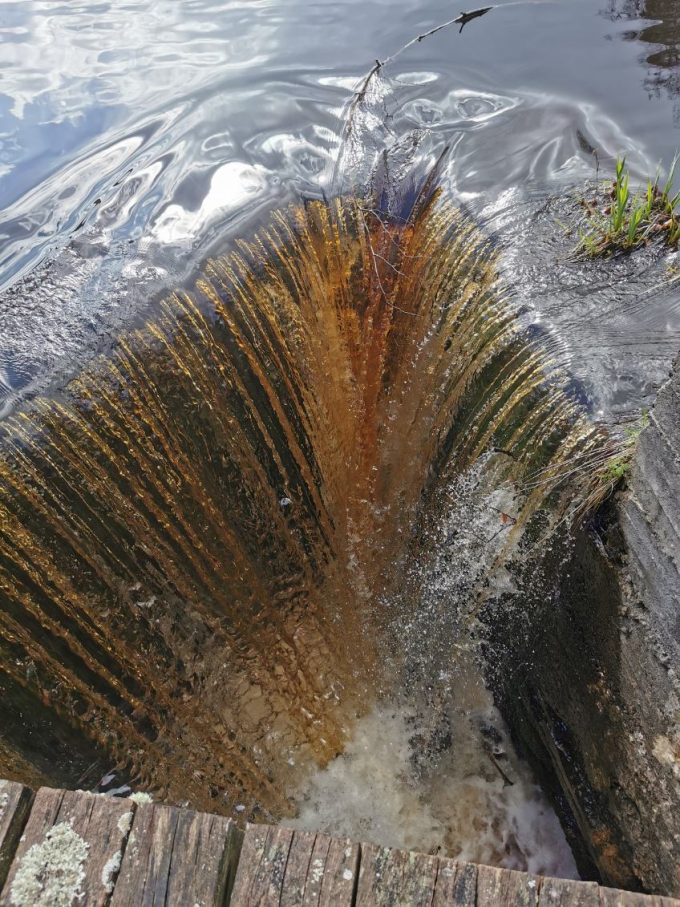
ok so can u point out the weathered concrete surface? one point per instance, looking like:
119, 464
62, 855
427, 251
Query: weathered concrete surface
591, 689
649, 515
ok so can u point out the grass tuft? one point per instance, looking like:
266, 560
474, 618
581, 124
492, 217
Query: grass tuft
611, 470
619, 219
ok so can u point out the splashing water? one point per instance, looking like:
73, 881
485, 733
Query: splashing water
467, 809
242, 557
432, 768
199, 541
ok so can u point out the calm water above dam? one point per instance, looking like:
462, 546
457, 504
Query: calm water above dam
144, 135
256, 536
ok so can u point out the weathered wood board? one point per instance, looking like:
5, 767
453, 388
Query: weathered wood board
565, 893
259, 879
74, 849
504, 886
177, 856
320, 872
15, 802
456, 884
613, 897
295, 869
388, 877
69, 852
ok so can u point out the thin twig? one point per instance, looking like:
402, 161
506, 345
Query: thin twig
461, 20
376, 269
360, 92
500, 771
393, 240
388, 263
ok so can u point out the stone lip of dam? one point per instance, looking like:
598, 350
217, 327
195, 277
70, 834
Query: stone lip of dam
58, 847
598, 707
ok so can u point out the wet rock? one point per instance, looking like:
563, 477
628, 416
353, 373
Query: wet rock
591, 691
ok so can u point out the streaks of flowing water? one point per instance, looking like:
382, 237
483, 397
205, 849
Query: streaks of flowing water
184, 533
193, 542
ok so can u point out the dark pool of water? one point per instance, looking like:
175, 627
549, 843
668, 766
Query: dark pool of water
136, 137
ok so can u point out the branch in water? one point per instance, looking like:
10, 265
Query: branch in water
461, 20
360, 93
475, 14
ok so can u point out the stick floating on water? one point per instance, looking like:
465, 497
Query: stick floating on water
360, 92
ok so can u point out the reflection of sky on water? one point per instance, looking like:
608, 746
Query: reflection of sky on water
653, 26
88, 88
136, 137
122, 112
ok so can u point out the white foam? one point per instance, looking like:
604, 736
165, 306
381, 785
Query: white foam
465, 809
431, 768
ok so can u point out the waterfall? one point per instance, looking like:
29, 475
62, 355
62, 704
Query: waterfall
197, 534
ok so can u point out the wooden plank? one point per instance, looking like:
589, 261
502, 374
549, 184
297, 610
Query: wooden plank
456, 884
320, 871
145, 867
254, 841
390, 877
209, 848
82, 849
299, 870
505, 886
267, 883
15, 802
613, 897
341, 871
262, 866
566, 893
177, 857
70, 850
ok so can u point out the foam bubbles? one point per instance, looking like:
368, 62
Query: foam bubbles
378, 790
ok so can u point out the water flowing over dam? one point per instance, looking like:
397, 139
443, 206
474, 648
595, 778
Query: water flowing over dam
199, 537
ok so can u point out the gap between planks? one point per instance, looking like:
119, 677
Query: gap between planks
123, 855
287, 868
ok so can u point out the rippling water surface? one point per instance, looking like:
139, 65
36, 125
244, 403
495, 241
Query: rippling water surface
136, 137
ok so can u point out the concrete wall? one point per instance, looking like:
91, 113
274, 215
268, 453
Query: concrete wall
592, 689
649, 516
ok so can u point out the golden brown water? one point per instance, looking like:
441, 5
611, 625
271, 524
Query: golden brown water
195, 540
